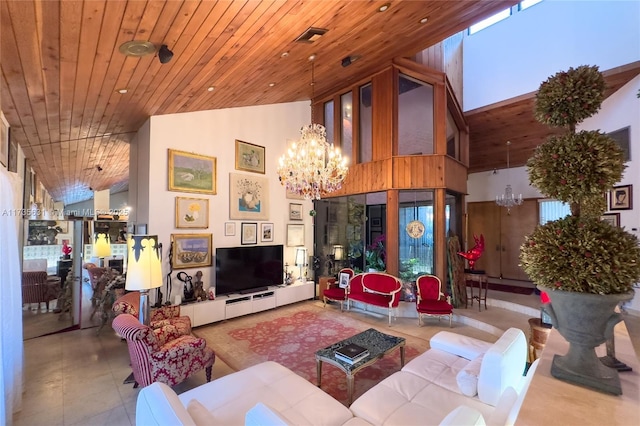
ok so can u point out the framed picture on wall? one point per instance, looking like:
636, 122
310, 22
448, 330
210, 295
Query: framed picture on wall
229, 229
266, 232
295, 235
248, 197
295, 211
249, 233
192, 212
620, 198
190, 172
612, 218
250, 157
191, 250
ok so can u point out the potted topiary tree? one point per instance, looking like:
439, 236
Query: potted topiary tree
586, 265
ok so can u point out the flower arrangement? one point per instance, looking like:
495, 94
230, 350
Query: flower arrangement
580, 252
376, 254
66, 249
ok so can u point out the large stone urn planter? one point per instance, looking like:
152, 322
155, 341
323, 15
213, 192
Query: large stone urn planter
586, 321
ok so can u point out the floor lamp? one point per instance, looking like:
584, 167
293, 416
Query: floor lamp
101, 246
144, 269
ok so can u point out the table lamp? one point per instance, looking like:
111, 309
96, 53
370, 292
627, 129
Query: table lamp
144, 269
101, 246
301, 259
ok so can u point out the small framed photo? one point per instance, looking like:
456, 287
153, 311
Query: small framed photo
295, 211
343, 280
191, 250
620, 198
249, 157
229, 229
293, 196
612, 218
249, 233
192, 212
295, 235
266, 232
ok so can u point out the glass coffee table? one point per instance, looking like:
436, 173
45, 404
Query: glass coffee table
378, 344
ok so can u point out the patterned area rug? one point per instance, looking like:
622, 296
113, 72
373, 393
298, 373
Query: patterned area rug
291, 336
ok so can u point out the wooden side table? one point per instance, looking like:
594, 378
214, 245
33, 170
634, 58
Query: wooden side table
483, 284
538, 335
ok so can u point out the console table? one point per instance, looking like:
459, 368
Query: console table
483, 283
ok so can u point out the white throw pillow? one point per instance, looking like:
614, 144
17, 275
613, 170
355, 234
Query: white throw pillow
467, 378
199, 414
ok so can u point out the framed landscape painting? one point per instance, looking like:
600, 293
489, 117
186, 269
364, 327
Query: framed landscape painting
192, 212
266, 230
191, 250
190, 172
249, 157
248, 197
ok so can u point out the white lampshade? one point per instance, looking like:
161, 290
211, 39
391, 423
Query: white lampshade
144, 265
101, 245
338, 252
301, 256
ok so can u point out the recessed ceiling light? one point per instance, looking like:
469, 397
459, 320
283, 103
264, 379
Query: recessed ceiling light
284, 54
384, 7
424, 20
122, 91
271, 84
211, 88
137, 48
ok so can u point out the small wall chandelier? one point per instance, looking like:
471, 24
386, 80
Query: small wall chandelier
312, 166
507, 199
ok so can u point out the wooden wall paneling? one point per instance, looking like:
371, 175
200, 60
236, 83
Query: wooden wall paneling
484, 219
440, 118
514, 227
392, 230
455, 175
432, 57
71, 15
382, 107
439, 235
453, 63
355, 141
47, 16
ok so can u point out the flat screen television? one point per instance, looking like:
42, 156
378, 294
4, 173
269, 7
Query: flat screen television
248, 269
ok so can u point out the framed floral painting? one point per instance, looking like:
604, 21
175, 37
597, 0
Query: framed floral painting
248, 197
249, 157
192, 212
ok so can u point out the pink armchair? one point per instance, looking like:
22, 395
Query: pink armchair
158, 356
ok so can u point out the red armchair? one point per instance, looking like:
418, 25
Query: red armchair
333, 291
158, 356
129, 303
432, 301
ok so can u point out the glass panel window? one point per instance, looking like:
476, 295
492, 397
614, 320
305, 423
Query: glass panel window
489, 21
415, 117
552, 210
524, 4
346, 144
328, 120
366, 117
416, 242
453, 137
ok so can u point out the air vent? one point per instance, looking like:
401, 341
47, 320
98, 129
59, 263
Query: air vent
311, 35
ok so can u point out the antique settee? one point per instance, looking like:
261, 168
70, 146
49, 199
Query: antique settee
375, 288
460, 380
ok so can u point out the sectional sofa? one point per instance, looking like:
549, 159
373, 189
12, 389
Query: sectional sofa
459, 380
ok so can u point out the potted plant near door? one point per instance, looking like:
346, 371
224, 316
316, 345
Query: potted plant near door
586, 265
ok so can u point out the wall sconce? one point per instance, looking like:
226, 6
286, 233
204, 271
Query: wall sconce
144, 270
101, 246
301, 259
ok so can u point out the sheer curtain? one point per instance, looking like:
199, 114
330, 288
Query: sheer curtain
11, 345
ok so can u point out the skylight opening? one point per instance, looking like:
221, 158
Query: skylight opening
525, 4
489, 21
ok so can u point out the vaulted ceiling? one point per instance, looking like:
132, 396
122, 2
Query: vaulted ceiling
62, 68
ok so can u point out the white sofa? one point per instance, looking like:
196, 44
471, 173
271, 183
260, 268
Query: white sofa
429, 390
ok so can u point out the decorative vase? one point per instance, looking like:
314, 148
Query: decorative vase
586, 321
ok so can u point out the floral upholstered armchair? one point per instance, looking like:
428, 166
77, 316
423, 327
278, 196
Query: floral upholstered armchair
129, 303
157, 355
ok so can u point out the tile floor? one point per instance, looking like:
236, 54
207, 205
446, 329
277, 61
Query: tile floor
76, 377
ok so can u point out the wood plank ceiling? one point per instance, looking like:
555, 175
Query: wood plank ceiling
62, 69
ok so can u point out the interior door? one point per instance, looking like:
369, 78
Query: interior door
514, 228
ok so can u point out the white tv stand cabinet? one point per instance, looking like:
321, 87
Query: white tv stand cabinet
235, 305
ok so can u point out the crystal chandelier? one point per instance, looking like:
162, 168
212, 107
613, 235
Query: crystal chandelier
507, 199
312, 166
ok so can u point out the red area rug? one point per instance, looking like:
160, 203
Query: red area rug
292, 335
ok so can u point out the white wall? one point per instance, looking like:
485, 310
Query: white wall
213, 133
514, 56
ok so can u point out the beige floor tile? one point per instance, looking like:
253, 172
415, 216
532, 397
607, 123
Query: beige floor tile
117, 416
